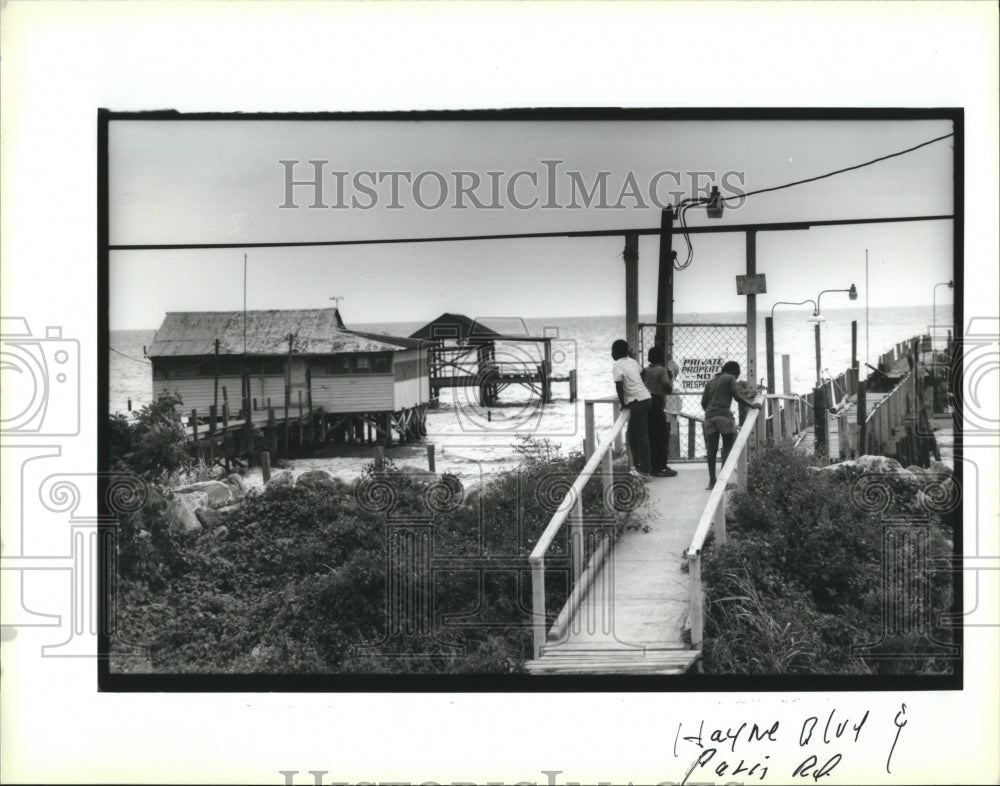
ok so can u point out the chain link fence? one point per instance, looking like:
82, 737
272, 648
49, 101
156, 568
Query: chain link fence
699, 350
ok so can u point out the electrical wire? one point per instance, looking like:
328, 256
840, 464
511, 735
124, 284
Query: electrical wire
686, 204
137, 360
837, 171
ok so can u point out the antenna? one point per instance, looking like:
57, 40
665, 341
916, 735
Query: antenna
336, 301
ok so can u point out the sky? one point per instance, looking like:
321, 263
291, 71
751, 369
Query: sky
222, 181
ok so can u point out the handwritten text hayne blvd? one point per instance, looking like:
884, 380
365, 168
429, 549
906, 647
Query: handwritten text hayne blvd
719, 757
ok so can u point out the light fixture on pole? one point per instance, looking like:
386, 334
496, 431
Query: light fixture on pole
950, 285
852, 293
769, 339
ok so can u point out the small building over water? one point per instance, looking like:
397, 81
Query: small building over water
292, 359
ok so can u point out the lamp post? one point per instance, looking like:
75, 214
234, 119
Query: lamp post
769, 340
950, 285
852, 293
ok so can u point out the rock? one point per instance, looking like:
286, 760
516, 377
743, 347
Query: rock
236, 481
317, 480
415, 473
221, 532
209, 517
181, 515
281, 478
212, 492
878, 464
939, 467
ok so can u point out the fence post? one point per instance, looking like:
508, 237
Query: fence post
696, 612
691, 438
862, 417
769, 349
854, 344
616, 411
588, 417
194, 433
212, 415
430, 457
576, 538
538, 604
819, 422
607, 479
789, 407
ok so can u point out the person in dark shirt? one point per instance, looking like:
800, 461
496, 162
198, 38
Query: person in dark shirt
717, 401
657, 381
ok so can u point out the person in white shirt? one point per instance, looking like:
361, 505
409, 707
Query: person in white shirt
633, 395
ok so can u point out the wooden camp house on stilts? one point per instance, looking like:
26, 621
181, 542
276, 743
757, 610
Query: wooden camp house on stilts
294, 371
463, 352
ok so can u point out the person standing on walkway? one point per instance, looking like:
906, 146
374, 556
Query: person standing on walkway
632, 395
717, 401
673, 403
657, 380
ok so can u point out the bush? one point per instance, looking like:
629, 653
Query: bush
801, 578
299, 584
152, 445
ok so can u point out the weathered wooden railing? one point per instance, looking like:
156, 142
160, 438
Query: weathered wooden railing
572, 508
715, 512
888, 415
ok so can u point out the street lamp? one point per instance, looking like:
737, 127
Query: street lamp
852, 293
769, 339
950, 285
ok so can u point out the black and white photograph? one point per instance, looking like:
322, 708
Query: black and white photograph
529, 393
534, 395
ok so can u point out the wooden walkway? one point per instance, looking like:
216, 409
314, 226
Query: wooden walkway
632, 619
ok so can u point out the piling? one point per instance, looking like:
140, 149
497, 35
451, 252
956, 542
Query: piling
862, 407
589, 439
819, 423
430, 458
265, 465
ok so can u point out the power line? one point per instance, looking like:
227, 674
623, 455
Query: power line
691, 202
837, 171
137, 360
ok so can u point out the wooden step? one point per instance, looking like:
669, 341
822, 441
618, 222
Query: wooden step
604, 661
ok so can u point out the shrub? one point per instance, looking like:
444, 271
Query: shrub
153, 444
299, 584
801, 578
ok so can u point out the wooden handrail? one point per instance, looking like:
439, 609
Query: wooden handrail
716, 497
900, 386
715, 512
572, 500
576, 490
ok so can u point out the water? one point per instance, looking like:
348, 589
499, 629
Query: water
469, 437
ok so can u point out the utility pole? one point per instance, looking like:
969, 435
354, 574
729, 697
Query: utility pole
631, 257
665, 283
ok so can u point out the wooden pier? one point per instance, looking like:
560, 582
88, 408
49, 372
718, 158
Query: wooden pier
217, 439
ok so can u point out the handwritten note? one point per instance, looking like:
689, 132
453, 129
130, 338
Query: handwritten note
779, 752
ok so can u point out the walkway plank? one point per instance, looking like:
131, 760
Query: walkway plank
632, 620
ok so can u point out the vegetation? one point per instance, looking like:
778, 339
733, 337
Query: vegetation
150, 444
297, 579
800, 579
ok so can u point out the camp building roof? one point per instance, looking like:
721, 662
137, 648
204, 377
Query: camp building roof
318, 331
454, 326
